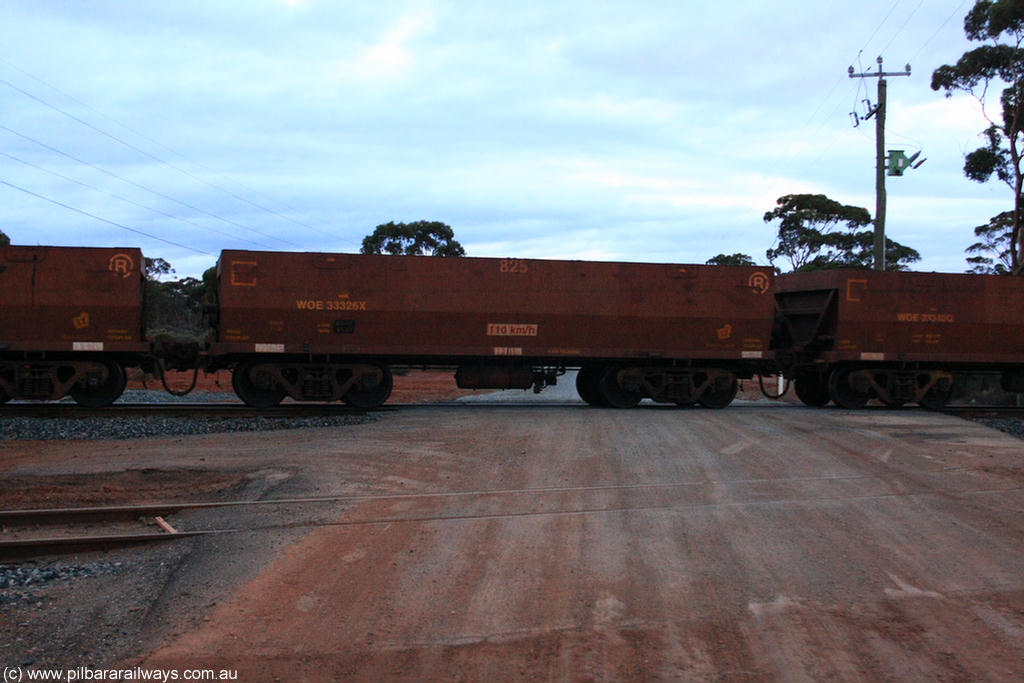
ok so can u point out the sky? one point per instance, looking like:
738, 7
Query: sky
646, 130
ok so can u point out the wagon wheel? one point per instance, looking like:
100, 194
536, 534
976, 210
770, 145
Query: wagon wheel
614, 394
588, 385
935, 398
720, 392
893, 402
93, 392
255, 386
371, 390
812, 389
885, 384
843, 393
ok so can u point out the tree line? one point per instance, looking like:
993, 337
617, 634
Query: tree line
816, 232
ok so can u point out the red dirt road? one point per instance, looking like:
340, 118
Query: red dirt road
572, 544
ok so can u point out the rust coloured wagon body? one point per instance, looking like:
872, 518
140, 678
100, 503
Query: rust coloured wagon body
328, 326
849, 335
71, 319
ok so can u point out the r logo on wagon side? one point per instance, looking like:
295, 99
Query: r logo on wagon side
121, 264
759, 282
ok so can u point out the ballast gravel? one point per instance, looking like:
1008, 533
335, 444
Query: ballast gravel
140, 427
20, 582
1010, 425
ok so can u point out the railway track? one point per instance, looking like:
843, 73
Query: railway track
28, 533
71, 411
226, 410
985, 411
52, 531
55, 531
232, 410
32, 533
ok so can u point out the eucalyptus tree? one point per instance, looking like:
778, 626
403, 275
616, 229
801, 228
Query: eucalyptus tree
430, 238
816, 232
995, 66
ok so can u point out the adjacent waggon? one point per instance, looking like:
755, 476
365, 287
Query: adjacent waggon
71, 321
327, 327
852, 335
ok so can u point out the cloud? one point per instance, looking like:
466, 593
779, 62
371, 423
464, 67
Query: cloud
636, 112
955, 120
392, 57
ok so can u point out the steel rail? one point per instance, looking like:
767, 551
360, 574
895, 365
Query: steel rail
186, 410
27, 548
984, 411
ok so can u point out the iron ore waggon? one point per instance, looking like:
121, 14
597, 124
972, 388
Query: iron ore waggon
71, 321
852, 335
316, 326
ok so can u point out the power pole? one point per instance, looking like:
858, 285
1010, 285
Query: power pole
879, 113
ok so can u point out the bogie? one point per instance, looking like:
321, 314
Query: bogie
719, 393
263, 385
811, 388
256, 386
588, 385
620, 387
848, 388
91, 383
853, 386
625, 387
101, 386
370, 389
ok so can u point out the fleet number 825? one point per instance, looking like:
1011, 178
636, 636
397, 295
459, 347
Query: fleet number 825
512, 265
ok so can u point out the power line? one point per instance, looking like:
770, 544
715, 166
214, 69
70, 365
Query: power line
129, 201
900, 29
153, 156
143, 187
939, 30
880, 25
103, 220
799, 133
